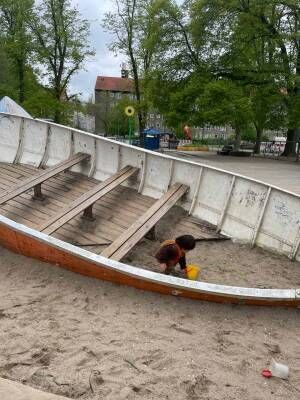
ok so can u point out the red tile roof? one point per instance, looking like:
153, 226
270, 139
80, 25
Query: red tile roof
114, 84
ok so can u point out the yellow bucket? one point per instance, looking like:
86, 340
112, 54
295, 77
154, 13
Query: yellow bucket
192, 272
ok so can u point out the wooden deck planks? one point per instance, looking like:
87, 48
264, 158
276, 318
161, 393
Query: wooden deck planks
87, 200
114, 212
110, 219
59, 187
40, 177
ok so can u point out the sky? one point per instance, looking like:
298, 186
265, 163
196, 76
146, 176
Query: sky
104, 62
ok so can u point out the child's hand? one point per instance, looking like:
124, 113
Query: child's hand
163, 266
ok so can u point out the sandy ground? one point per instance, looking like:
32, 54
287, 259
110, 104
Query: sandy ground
222, 262
89, 339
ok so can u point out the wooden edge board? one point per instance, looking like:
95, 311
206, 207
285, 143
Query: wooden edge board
145, 222
143, 230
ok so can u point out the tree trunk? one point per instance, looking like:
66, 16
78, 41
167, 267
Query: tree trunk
57, 112
21, 78
290, 146
237, 141
258, 139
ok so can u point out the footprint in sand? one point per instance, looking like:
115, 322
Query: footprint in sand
196, 388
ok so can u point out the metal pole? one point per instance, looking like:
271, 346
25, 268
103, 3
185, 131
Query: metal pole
129, 128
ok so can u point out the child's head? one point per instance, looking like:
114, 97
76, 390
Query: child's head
186, 242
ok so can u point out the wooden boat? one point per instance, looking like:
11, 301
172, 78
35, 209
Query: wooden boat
36, 155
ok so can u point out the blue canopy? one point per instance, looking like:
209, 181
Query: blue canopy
152, 131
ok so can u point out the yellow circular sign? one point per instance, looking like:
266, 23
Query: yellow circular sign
129, 111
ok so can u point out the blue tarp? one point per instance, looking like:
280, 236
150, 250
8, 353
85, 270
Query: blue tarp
152, 131
152, 137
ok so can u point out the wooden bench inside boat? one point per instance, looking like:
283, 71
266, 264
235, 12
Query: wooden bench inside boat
124, 243
85, 202
36, 181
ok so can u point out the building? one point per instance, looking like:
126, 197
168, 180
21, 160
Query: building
213, 132
110, 90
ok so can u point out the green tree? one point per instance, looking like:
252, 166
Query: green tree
61, 46
276, 24
14, 16
134, 25
7, 79
223, 102
210, 41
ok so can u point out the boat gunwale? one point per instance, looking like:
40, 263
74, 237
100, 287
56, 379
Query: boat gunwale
234, 294
158, 154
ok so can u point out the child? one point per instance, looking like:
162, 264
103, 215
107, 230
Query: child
172, 252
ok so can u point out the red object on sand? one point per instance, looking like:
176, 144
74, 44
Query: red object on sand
266, 373
187, 132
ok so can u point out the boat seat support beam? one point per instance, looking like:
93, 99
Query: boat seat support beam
37, 193
88, 213
151, 235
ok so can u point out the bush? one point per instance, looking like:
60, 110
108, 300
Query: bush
249, 134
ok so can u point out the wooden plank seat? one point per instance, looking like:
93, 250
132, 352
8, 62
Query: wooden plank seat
124, 243
85, 202
36, 180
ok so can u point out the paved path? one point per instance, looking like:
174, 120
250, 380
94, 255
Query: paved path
281, 173
11, 390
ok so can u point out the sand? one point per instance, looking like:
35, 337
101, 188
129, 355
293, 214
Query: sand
87, 339
12, 390
222, 262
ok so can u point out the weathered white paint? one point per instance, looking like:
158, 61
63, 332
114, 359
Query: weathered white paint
261, 216
10, 137
59, 146
226, 204
107, 159
45, 158
196, 191
34, 142
143, 173
242, 206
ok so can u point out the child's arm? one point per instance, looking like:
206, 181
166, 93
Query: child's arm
182, 262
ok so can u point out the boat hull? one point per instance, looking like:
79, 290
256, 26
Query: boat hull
23, 240
245, 209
